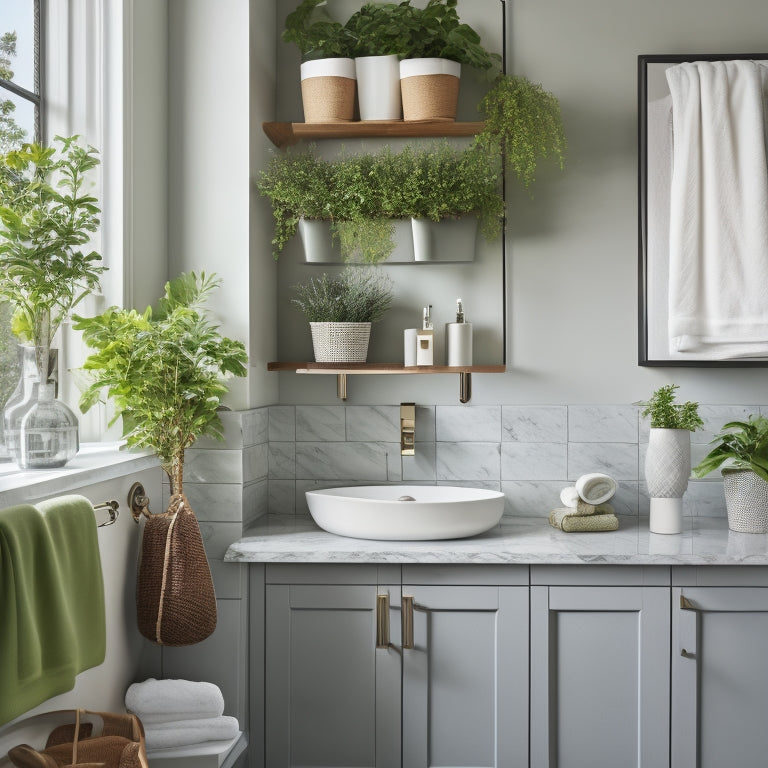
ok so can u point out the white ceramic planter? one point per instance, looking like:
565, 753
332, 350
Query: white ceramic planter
320, 247
446, 240
328, 90
746, 500
378, 87
429, 88
667, 469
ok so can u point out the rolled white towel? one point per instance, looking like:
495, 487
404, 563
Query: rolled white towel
183, 733
596, 488
569, 496
159, 701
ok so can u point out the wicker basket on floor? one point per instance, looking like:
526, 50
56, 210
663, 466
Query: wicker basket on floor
340, 342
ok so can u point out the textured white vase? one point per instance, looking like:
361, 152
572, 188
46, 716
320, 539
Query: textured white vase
667, 469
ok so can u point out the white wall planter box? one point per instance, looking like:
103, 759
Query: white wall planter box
446, 240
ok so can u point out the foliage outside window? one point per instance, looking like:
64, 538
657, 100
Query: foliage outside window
20, 122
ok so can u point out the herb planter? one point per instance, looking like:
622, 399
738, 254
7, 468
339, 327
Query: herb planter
429, 88
328, 90
378, 87
320, 246
746, 500
445, 240
667, 469
340, 342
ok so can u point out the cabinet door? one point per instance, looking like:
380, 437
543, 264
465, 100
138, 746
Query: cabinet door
332, 696
599, 676
719, 677
465, 680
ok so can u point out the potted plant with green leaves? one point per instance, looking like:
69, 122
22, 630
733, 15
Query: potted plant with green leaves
668, 459
523, 124
332, 204
164, 370
328, 73
440, 44
743, 446
47, 218
340, 311
382, 33
446, 193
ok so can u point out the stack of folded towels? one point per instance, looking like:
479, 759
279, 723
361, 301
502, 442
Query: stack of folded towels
585, 505
180, 713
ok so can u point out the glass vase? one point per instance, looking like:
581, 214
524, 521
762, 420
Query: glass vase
49, 438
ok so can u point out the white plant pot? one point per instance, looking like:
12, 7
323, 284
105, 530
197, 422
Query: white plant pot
746, 500
320, 247
378, 87
340, 342
429, 88
446, 240
667, 470
328, 90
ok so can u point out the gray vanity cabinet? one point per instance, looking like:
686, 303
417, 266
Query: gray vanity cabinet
465, 678
600, 676
347, 685
720, 674
332, 698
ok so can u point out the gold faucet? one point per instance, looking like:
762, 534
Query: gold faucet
407, 429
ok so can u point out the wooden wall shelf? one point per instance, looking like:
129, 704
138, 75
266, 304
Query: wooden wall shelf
286, 134
341, 370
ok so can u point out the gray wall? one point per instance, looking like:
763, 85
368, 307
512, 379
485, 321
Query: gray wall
572, 248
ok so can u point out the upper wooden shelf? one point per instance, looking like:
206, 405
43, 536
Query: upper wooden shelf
286, 134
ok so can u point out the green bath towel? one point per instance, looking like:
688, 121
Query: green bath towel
564, 519
52, 623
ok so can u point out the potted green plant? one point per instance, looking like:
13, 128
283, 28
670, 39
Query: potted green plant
523, 123
446, 193
327, 70
438, 48
340, 311
743, 445
668, 459
47, 217
331, 203
382, 33
164, 369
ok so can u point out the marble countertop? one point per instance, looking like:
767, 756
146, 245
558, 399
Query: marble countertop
704, 541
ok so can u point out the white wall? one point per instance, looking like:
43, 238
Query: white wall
572, 248
216, 98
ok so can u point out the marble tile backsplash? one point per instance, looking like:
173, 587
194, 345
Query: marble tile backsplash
528, 452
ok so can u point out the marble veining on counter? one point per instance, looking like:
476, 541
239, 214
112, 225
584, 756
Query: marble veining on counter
282, 539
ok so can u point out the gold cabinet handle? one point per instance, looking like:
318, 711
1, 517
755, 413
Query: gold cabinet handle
407, 621
382, 621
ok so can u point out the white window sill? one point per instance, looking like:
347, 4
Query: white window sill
94, 463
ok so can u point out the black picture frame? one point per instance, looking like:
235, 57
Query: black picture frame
652, 312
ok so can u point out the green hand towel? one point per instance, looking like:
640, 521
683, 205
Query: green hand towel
52, 623
564, 519
582, 508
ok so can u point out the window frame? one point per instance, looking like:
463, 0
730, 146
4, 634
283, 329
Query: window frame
37, 98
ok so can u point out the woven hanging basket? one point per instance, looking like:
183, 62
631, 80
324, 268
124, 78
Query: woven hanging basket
430, 89
340, 342
746, 500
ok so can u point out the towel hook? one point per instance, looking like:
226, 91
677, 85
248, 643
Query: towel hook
114, 511
138, 501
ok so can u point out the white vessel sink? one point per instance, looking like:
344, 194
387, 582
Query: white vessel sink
405, 512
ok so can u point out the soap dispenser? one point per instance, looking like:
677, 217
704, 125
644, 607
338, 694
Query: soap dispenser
425, 340
458, 338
